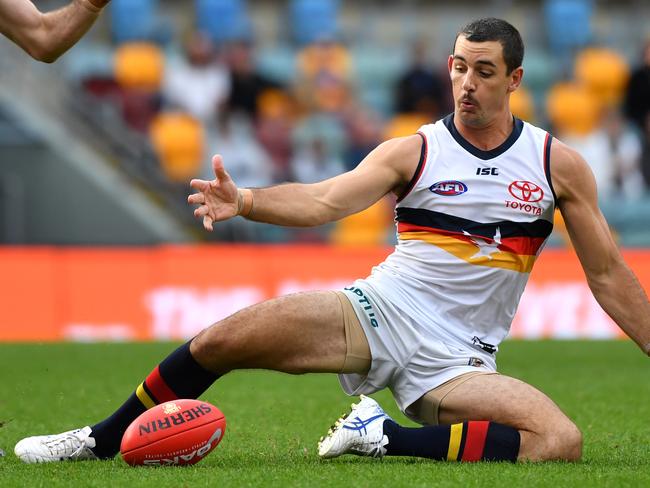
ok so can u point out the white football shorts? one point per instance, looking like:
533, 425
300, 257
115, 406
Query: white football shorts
408, 359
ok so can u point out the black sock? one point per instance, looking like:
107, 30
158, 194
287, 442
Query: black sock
178, 376
469, 441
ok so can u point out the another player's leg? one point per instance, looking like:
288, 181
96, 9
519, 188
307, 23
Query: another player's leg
294, 334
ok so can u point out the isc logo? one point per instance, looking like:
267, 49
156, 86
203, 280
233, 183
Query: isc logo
448, 188
487, 171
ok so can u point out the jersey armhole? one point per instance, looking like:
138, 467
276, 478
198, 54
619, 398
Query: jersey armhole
547, 164
418, 171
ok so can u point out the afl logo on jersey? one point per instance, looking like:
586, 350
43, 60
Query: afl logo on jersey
526, 191
448, 188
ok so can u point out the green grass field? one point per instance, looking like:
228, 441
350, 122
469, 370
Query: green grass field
274, 420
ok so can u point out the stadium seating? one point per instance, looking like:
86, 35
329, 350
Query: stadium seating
522, 104
137, 20
541, 70
178, 140
367, 228
139, 65
314, 20
223, 20
568, 24
630, 219
277, 61
139, 69
604, 72
405, 125
572, 109
376, 71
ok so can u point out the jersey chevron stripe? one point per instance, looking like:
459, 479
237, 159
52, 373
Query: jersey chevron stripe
438, 220
473, 253
455, 435
517, 245
144, 397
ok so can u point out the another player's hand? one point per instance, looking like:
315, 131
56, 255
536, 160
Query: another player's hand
217, 199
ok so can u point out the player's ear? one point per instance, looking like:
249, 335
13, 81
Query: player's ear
515, 79
450, 62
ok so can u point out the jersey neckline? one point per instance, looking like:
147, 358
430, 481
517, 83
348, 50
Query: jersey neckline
518, 126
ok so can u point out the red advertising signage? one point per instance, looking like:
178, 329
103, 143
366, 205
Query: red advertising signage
172, 292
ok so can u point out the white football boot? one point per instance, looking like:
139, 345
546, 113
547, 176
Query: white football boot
360, 432
73, 445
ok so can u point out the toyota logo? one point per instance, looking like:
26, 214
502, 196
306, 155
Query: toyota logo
526, 191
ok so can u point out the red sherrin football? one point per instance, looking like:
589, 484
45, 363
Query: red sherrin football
173, 433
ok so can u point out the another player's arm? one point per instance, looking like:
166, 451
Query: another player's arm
46, 36
388, 168
613, 284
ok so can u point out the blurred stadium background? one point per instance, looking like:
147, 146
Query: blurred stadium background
97, 149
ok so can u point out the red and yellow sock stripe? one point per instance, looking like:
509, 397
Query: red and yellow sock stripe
467, 441
153, 390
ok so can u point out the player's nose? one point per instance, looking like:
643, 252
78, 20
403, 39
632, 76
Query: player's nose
468, 84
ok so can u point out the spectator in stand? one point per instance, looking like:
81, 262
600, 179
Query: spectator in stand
274, 130
235, 137
613, 151
365, 131
323, 81
313, 162
637, 107
637, 98
246, 83
420, 89
624, 149
199, 83
319, 143
645, 155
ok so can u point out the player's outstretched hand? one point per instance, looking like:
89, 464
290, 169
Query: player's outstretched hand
217, 199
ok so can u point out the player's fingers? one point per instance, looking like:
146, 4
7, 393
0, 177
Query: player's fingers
207, 223
200, 185
219, 170
196, 198
202, 211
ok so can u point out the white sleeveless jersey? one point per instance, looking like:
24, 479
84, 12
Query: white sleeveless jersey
469, 228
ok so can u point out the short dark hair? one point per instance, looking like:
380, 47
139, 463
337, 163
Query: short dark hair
492, 29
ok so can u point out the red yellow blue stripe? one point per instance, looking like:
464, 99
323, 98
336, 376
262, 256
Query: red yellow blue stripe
474, 250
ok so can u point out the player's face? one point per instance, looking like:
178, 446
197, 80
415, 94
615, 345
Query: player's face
480, 82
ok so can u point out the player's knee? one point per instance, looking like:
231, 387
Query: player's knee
210, 347
565, 443
573, 443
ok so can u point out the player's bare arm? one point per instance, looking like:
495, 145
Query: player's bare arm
388, 168
46, 36
611, 281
